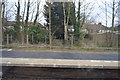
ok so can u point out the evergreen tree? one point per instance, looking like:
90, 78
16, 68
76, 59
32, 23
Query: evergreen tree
56, 18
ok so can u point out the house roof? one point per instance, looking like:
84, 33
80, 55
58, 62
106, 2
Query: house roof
8, 23
94, 27
11, 23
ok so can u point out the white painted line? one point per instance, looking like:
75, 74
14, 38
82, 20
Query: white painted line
102, 61
9, 62
24, 59
5, 49
9, 50
94, 61
115, 61
108, 61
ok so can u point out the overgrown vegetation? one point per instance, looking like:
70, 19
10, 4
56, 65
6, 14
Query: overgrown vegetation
59, 17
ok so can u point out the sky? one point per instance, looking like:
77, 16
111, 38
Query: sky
98, 12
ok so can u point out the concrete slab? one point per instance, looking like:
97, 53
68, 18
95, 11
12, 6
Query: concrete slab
61, 63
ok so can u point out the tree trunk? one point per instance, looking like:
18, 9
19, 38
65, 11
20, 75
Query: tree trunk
72, 40
7, 39
27, 15
77, 27
65, 25
23, 25
17, 26
32, 16
113, 22
3, 12
68, 16
1, 38
32, 39
22, 36
113, 13
37, 13
26, 22
79, 24
107, 40
50, 36
11, 38
27, 39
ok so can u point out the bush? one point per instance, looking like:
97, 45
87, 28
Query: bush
37, 34
57, 42
88, 36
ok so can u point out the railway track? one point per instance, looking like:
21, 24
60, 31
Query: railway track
37, 73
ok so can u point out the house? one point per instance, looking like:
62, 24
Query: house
95, 28
11, 24
117, 29
37, 24
8, 25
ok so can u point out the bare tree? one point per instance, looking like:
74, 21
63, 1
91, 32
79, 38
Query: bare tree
26, 21
113, 13
110, 10
17, 25
106, 12
65, 25
68, 15
23, 24
50, 35
27, 15
0, 24
32, 15
118, 13
66, 12
113, 22
6, 16
3, 18
3, 10
37, 13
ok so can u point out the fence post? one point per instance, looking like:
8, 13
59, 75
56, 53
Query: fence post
7, 39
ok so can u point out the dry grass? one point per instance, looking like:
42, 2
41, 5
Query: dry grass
44, 47
68, 50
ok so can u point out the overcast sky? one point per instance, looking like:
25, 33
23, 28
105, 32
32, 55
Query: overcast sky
98, 10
